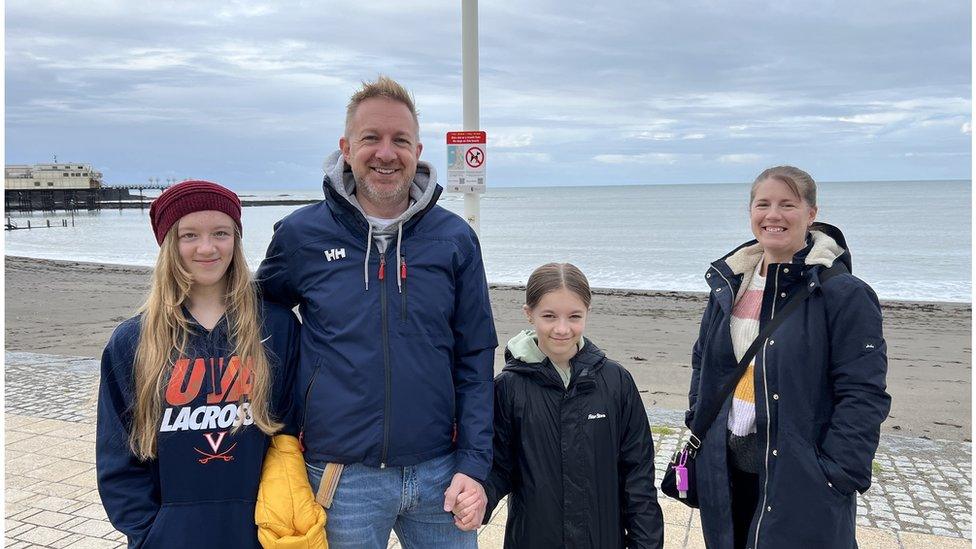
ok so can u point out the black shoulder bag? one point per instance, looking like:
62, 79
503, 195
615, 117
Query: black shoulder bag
679, 479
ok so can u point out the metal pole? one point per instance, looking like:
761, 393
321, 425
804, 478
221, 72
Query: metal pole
469, 77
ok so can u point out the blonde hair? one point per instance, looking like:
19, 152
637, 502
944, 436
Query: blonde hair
164, 333
800, 183
385, 87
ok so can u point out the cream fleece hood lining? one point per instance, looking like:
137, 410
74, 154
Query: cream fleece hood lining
824, 252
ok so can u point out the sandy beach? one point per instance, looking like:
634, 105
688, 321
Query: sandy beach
71, 308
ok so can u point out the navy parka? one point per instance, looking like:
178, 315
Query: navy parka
820, 398
396, 348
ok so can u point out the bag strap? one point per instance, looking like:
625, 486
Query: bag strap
704, 420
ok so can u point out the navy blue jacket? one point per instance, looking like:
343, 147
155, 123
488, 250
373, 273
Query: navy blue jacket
397, 352
820, 398
200, 489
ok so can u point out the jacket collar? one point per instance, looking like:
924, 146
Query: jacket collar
339, 187
729, 275
583, 366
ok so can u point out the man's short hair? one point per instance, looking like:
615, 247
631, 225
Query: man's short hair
383, 87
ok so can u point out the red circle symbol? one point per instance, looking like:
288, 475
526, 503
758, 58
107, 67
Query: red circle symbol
475, 157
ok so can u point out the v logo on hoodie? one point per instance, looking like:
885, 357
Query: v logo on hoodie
215, 445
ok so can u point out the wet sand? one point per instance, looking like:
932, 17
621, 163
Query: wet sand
70, 308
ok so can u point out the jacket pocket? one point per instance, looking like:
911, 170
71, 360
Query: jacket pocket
803, 509
155, 537
221, 523
808, 458
305, 399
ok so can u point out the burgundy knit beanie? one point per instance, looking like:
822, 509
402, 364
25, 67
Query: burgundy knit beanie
191, 196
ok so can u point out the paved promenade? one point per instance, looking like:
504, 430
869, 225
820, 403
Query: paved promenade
920, 497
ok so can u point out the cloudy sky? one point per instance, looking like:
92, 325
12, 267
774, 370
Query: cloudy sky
252, 94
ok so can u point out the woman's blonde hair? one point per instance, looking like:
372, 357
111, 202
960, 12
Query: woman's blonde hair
800, 183
164, 333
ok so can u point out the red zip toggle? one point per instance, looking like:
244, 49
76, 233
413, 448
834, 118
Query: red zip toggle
403, 268
382, 272
301, 436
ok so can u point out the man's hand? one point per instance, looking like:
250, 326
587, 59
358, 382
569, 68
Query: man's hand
466, 498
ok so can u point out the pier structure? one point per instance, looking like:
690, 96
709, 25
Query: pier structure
49, 187
69, 187
122, 196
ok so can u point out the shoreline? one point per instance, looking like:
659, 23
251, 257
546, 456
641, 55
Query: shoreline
507, 286
70, 308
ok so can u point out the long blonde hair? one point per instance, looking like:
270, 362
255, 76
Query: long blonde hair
164, 333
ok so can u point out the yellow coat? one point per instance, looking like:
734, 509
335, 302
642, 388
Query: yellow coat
286, 513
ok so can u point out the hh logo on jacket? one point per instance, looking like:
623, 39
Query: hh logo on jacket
335, 253
187, 411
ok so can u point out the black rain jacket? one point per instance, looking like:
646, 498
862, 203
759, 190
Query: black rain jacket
577, 461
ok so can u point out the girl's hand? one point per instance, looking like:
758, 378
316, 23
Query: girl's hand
470, 511
467, 500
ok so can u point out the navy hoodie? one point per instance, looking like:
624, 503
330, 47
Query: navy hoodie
200, 489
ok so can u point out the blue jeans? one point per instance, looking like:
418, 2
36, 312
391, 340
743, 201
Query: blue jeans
370, 502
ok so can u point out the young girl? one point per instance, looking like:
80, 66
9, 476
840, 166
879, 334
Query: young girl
192, 387
572, 443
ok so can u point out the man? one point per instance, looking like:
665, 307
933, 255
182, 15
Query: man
397, 343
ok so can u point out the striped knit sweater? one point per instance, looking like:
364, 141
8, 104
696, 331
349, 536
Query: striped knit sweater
744, 326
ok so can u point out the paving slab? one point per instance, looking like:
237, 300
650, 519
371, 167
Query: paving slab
921, 496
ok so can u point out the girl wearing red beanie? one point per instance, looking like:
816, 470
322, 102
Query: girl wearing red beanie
193, 387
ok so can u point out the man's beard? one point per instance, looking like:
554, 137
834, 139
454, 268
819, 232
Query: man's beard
394, 195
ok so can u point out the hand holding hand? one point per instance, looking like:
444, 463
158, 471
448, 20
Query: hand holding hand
466, 498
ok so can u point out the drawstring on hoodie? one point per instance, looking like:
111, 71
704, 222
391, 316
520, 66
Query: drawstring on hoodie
401, 272
369, 246
401, 265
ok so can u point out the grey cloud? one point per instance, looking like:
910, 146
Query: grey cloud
573, 92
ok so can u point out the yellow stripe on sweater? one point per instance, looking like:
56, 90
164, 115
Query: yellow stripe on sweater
745, 390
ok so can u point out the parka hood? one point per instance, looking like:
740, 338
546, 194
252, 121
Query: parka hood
423, 194
825, 245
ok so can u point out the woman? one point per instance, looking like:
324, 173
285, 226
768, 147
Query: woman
192, 387
572, 442
780, 464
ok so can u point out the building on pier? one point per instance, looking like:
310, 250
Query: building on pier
51, 177
67, 186
48, 187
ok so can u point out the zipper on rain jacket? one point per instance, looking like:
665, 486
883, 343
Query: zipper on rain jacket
403, 287
386, 358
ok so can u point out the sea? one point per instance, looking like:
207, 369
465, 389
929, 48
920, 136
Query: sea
910, 240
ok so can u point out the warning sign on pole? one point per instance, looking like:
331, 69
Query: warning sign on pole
466, 155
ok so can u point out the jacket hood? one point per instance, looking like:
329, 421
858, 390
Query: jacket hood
423, 193
339, 176
525, 347
825, 245
523, 356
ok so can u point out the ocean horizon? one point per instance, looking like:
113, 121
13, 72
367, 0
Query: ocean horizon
910, 240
